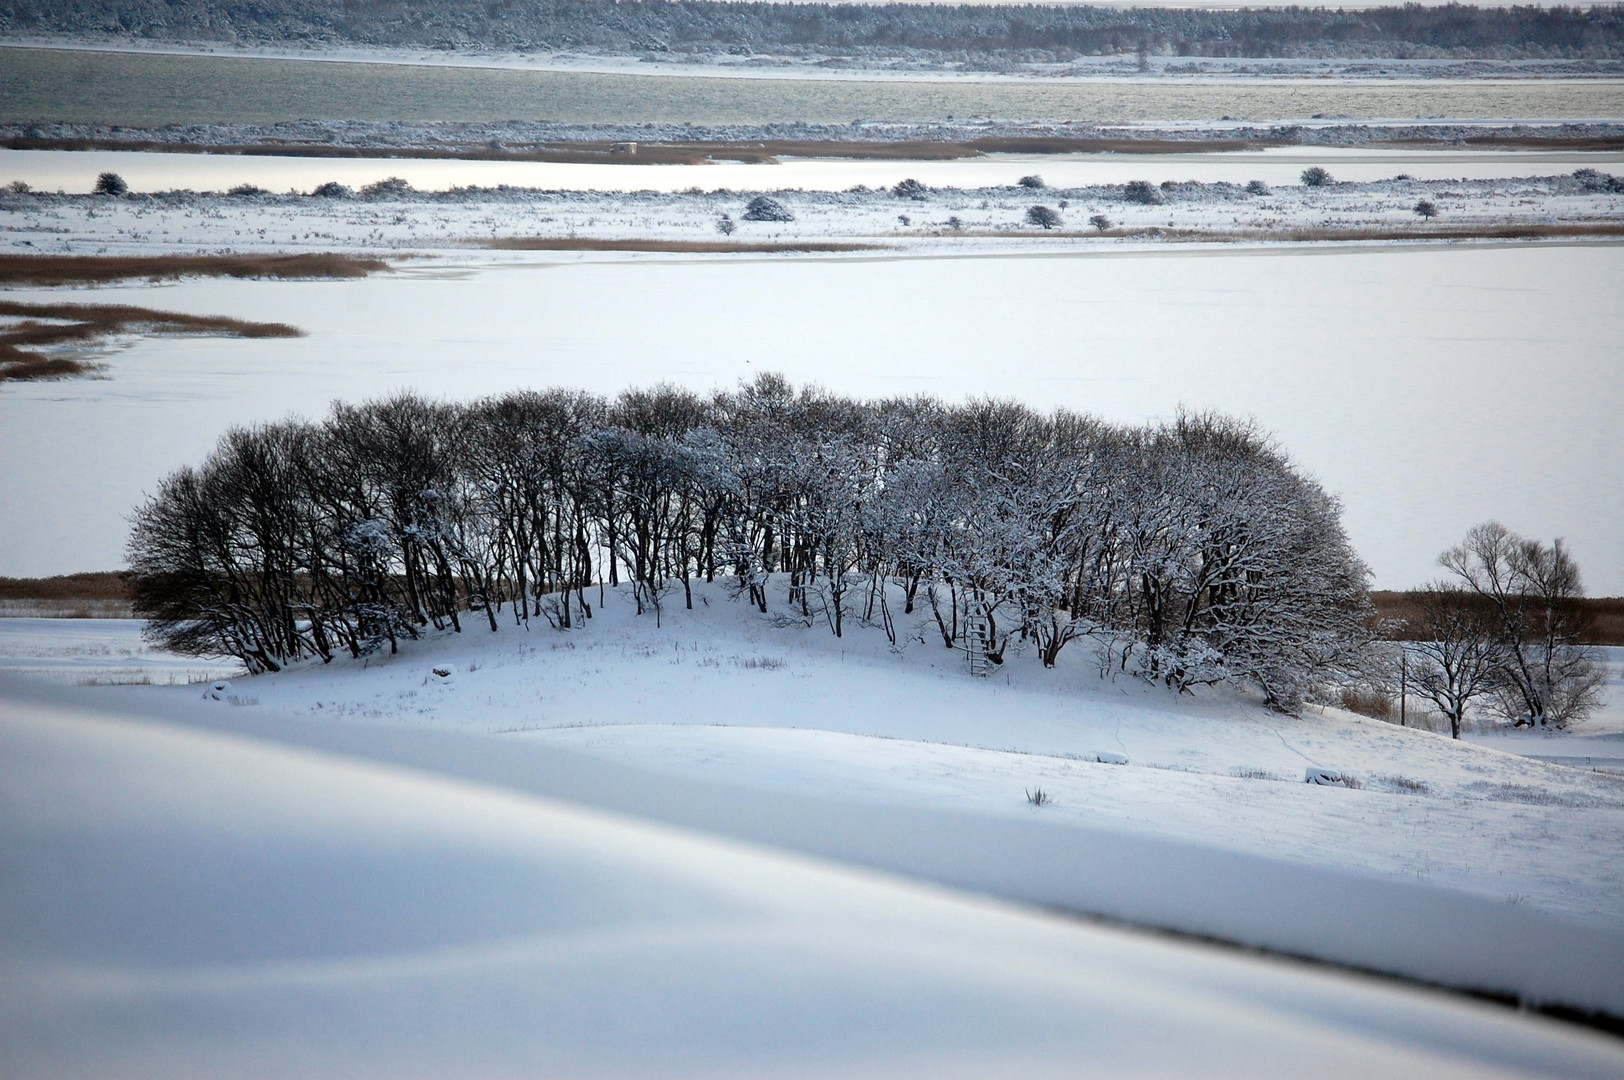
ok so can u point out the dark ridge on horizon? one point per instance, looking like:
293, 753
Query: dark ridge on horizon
968, 32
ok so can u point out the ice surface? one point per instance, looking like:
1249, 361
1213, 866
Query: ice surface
1387, 373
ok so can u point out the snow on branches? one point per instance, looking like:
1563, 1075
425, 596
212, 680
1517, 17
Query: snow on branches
1187, 553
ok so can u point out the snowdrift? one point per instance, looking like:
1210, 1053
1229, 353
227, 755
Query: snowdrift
176, 902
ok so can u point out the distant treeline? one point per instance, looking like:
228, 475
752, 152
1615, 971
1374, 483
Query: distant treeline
1007, 31
1397, 616
1190, 552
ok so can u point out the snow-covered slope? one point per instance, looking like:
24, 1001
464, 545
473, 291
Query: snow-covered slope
175, 902
1451, 863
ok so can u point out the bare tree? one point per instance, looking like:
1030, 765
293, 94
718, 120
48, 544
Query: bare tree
1547, 678
1458, 653
1043, 216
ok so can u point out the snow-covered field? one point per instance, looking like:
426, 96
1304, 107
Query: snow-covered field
348, 784
186, 902
945, 219
75, 171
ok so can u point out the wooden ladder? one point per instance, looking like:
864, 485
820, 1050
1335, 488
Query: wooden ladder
976, 629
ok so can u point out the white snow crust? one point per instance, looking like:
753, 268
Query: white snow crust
178, 902
1449, 863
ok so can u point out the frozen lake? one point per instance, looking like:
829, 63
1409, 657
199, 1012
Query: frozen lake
76, 171
1432, 388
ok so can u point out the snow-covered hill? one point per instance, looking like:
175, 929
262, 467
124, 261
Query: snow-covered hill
178, 902
653, 848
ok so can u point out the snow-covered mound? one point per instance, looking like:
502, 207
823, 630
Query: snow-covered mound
1447, 863
174, 902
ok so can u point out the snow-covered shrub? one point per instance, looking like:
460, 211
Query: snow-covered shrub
1045, 217
1033, 182
1426, 208
332, 189
111, 183
910, 189
1099, 222
726, 225
247, 190
1314, 176
1595, 180
766, 208
391, 187
1257, 187
1141, 191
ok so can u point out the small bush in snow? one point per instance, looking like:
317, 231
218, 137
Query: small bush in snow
1427, 209
905, 219
1256, 187
726, 225
19, 187
1595, 180
1100, 222
766, 208
243, 190
1033, 182
1038, 797
1314, 176
1141, 191
955, 222
910, 189
390, 187
111, 183
332, 189
1044, 216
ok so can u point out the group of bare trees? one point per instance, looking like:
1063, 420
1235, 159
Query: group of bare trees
1189, 552
1505, 626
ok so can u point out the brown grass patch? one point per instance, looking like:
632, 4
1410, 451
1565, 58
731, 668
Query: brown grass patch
85, 324
1516, 142
587, 243
101, 269
1369, 703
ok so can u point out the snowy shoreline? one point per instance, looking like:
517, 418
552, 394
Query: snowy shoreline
1589, 205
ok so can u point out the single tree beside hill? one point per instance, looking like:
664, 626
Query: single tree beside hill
1458, 653
1530, 593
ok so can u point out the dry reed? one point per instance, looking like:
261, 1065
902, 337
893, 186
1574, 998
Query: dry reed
101, 269
86, 324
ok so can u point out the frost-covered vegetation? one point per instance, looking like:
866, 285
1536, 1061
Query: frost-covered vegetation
1188, 553
983, 31
390, 215
1506, 626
